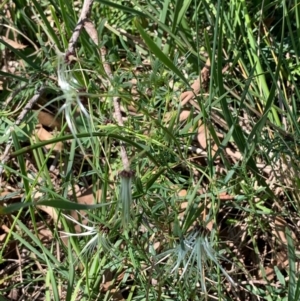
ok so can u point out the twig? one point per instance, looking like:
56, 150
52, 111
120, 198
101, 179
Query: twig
118, 114
27, 108
13, 95
85, 12
90, 29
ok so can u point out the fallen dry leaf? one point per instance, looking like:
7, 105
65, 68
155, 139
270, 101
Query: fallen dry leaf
182, 193
43, 135
279, 225
202, 80
13, 43
184, 115
87, 196
223, 196
110, 283
91, 30
202, 135
48, 120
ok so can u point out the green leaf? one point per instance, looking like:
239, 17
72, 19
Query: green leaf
46, 24
122, 8
158, 53
62, 204
292, 265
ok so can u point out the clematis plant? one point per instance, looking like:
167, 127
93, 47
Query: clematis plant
126, 196
98, 236
66, 83
195, 250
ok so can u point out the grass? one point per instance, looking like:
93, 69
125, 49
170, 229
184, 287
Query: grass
154, 159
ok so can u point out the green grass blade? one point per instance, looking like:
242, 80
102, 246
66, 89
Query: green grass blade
122, 8
158, 53
292, 265
46, 25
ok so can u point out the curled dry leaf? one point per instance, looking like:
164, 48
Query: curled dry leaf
269, 272
282, 262
282, 259
183, 116
45, 235
87, 197
168, 116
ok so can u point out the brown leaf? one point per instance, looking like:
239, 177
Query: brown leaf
87, 196
269, 272
278, 226
202, 80
282, 259
10, 199
48, 120
45, 235
236, 155
13, 43
91, 31
110, 283
223, 196
44, 135
3, 237
202, 136
182, 193
282, 262
49, 210
184, 115
278, 230
168, 116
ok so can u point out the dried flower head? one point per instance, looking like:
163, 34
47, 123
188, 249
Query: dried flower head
126, 196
